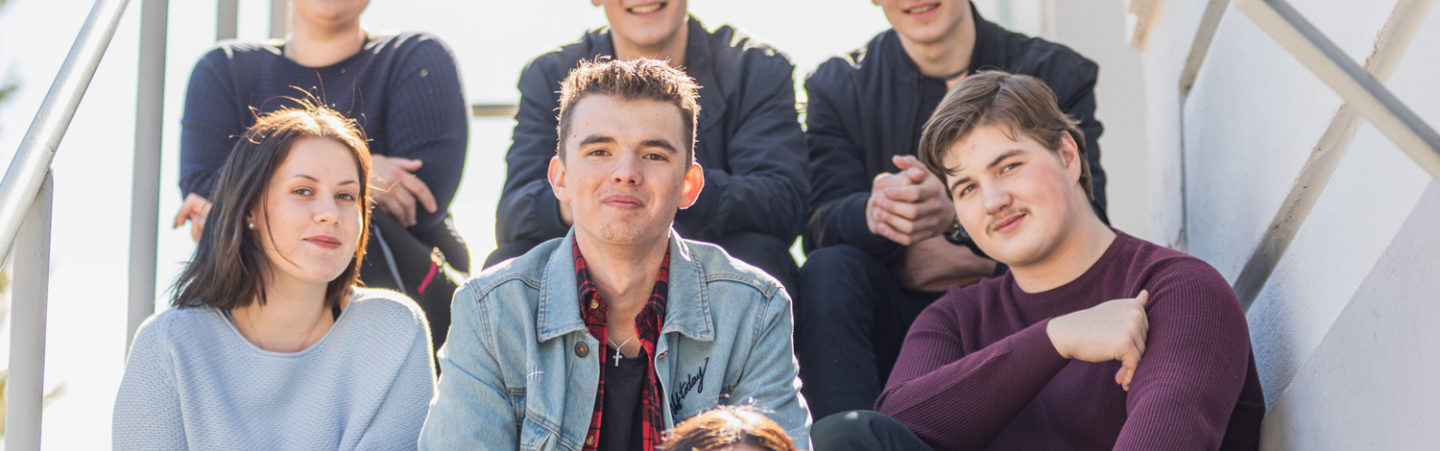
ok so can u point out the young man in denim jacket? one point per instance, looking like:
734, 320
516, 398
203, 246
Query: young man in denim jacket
611, 335
747, 136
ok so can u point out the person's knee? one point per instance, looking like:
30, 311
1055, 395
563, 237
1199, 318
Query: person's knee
838, 261
861, 429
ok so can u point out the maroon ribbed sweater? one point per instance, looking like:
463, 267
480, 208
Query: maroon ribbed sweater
977, 369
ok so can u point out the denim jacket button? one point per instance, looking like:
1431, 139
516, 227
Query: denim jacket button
581, 349
662, 355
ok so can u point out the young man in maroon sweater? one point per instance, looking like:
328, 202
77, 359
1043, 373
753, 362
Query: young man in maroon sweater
1093, 340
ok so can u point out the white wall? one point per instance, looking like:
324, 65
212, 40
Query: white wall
1339, 331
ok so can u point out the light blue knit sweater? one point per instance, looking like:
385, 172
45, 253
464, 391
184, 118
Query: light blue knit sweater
192, 381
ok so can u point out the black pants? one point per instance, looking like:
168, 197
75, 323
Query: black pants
850, 320
865, 430
397, 259
764, 251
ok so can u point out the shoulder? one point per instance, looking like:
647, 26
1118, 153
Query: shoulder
511, 284
177, 327
847, 68
734, 48
557, 62
1171, 276
241, 53
386, 306
413, 45
717, 267
1066, 71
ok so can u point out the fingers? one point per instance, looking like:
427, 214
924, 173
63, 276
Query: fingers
1143, 297
197, 226
421, 192
909, 193
1129, 360
409, 165
180, 217
905, 162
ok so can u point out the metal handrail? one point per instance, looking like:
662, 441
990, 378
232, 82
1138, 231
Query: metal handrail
32, 161
1361, 92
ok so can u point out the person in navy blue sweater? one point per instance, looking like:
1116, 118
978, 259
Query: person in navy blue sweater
404, 90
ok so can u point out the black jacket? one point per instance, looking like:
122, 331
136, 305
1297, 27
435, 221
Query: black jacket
864, 108
749, 140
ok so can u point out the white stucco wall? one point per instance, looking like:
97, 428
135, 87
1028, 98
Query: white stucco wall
1339, 330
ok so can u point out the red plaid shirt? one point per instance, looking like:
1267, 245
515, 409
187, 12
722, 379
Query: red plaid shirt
647, 327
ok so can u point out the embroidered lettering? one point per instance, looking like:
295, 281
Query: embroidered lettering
695, 381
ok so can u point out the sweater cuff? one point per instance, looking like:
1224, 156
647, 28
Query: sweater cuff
1032, 344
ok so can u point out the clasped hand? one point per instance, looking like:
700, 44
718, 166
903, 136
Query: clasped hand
909, 206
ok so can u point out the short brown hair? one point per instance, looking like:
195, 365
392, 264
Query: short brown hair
225, 272
1019, 103
727, 426
642, 78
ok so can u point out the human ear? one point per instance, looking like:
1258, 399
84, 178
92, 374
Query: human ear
1070, 156
556, 175
693, 183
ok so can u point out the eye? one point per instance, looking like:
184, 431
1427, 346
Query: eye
965, 190
599, 152
346, 196
302, 191
657, 157
1009, 167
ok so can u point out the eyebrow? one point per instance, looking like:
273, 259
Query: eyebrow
597, 139
663, 144
993, 163
313, 179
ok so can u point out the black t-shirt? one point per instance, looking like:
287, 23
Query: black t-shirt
620, 427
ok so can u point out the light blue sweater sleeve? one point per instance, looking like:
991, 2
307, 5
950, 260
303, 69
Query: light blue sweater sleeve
402, 413
147, 409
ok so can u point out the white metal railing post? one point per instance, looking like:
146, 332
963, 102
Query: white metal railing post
226, 12
145, 185
32, 160
25, 388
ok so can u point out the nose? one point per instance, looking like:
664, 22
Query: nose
996, 199
327, 211
627, 168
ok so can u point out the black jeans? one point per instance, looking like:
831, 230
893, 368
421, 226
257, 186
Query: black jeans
865, 430
850, 320
397, 259
764, 251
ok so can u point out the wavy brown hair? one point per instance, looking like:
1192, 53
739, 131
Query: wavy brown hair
1019, 104
725, 427
228, 268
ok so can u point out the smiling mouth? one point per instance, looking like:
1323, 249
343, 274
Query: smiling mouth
325, 242
1008, 222
922, 9
646, 9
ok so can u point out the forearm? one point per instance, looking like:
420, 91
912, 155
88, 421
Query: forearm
966, 403
842, 221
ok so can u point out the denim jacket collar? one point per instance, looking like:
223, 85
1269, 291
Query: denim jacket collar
688, 311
